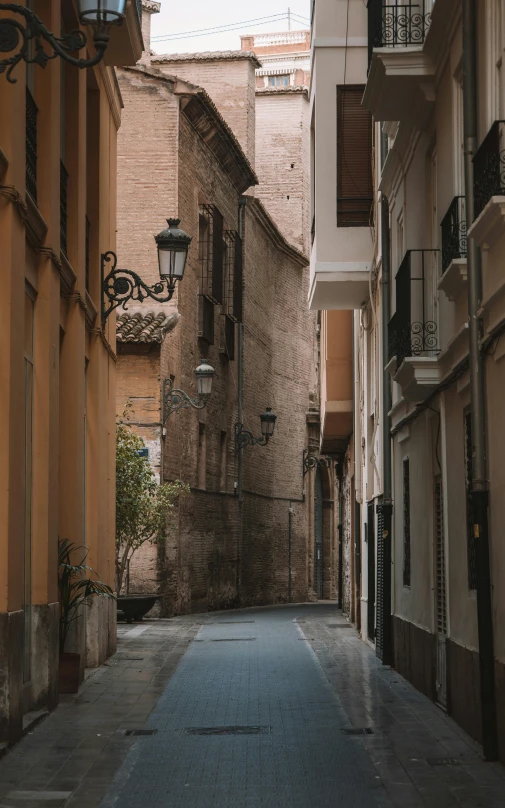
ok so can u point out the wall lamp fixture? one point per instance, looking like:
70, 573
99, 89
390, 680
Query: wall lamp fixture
25, 39
243, 437
121, 285
175, 399
311, 461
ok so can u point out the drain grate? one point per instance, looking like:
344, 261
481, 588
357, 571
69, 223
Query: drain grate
357, 731
141, 732
443, 761
235, 639
227, 730
130, 659
339, 625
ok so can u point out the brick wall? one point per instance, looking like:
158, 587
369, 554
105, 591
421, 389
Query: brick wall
282, 161
231, 85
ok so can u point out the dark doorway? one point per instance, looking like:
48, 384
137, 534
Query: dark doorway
318, 534
371, 571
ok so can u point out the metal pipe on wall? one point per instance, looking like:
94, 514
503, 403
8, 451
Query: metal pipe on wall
479, 493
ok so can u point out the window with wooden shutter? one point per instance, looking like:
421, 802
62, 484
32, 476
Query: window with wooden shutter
354, 158
233, 276
210, 232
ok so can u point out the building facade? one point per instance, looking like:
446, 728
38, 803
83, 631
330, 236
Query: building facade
57, 214
426, 227
244, 532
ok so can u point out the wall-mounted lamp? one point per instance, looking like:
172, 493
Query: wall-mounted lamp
25, 40
122, 285
311, 461
175, 399
243, 437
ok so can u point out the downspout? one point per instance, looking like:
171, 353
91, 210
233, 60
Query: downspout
240, 412
357, 470
479, 493
385, 506
340, 467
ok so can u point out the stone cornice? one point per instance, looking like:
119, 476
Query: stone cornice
152, 6
206, 56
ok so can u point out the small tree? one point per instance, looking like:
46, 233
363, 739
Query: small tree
144, 509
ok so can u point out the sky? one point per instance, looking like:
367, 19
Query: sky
179, 17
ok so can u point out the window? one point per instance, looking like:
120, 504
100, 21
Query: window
28, 476
354, 158
278, 81
470, 539
232, 285
210, 234
206, 319
406, 522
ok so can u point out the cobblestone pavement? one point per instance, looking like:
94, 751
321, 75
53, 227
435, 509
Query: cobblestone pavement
252, 714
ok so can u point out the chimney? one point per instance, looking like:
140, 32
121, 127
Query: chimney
149, 7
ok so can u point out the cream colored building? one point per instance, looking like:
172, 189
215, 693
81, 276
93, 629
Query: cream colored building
410, 76
58, 131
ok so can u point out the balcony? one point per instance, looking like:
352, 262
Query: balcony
454, 243
489, 187
401, 74
413, 344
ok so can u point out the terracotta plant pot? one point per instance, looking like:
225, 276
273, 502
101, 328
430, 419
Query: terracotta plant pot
70, 666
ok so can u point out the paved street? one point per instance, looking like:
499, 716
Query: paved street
248, 709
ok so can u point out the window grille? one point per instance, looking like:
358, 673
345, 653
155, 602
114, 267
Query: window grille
233, 276
406, 522
354, 158
206, 319
228, 336
210, 232
31, 145
63, 208
470, 539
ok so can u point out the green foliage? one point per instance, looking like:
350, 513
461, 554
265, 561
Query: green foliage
75, 589
145, 510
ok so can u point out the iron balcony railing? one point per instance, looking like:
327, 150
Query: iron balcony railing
454, 232
63, 208
412, 330
489, 167
397, 25
31, 145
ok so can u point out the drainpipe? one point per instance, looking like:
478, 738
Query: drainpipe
479, 493
240, 414
340, 531
385, 506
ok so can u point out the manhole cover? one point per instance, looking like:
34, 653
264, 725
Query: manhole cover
141, 732
235, 639
357, 731
444, 762
227, 730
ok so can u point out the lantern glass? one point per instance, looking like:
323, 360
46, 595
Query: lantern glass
204, 378
173, 244
101, 12
268, 419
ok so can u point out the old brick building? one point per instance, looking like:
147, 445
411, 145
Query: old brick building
190, 152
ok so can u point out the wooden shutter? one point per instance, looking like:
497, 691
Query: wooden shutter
217, 256
354, 158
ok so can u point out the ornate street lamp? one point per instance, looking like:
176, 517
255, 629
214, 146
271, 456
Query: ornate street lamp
25, 39
122, 285
311, 461
243, 437
175, 399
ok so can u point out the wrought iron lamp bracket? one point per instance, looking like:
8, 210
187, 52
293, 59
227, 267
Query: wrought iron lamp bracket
122, 285
243, 438
27, 42
311, 461
175, 400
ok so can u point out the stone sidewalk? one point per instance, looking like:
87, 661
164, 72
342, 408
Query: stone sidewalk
414, 754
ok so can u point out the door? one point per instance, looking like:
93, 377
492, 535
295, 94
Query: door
371, 571
440, 595
318, 534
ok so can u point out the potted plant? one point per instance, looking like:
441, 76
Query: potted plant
145, 512
75, 590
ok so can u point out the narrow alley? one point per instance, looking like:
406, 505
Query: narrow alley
282, 706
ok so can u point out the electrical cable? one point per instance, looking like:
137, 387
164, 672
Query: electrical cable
219, 29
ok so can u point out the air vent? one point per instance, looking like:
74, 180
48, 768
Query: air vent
227, 730
141, 732
357, 731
